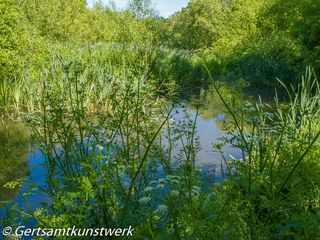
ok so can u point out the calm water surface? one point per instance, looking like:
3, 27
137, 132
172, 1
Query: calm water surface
21, 167
27, 164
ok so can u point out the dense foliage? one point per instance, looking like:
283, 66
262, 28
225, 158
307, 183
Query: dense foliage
253, 40
11, 39
98, 86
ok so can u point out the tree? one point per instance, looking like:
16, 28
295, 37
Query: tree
142, 9
208, 23
198, 25
55, 20
11, 39
300, 21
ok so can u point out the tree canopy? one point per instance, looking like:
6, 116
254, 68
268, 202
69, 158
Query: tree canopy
275, 36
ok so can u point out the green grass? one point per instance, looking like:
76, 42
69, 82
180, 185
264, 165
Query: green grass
108, 159
99, 116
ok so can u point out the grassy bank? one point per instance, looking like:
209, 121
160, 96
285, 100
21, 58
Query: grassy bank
106, 169
98, 86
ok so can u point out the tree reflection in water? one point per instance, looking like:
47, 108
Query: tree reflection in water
14, 149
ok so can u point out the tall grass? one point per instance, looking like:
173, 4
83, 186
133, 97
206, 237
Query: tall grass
276, 177
100, 121
110, 149
103, 163
102, 63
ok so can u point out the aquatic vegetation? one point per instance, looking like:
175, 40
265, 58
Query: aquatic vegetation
99, 88
109, 167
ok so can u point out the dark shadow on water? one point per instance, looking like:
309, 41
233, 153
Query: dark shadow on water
22, 169
14, 150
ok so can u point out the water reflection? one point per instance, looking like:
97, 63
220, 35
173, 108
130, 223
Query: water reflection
208, 130
213, 122
210, 105
14, 150
17, 158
